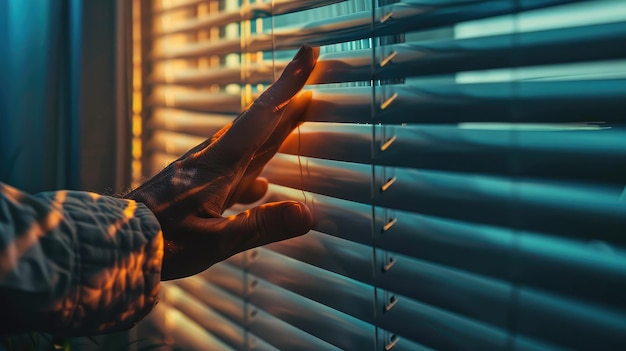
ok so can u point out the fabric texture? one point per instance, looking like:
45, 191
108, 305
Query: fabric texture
76, 263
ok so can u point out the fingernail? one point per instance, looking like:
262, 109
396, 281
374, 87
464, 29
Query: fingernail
300, 52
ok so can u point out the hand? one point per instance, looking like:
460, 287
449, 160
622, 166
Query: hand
189, 196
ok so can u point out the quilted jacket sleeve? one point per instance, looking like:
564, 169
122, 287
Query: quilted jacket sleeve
76, 263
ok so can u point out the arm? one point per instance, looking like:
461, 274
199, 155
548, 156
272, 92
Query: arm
76, 263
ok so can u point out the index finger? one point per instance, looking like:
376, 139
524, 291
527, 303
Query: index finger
255, 125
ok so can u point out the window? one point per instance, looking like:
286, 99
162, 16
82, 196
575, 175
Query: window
465, 161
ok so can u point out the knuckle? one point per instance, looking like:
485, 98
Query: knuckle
265, 101
261, 226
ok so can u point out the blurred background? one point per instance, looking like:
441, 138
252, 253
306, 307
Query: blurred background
63, 122
465, 161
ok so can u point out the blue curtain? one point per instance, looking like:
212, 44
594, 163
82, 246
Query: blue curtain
37, 94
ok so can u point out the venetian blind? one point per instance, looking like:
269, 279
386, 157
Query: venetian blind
465, 161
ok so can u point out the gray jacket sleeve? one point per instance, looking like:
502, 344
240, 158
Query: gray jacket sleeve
76, 263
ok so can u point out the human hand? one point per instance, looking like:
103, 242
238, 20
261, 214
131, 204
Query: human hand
189, 196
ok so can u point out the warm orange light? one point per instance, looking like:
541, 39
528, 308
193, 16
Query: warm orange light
137, 105
136, 149
137, 125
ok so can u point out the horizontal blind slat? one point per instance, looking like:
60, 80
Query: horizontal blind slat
406, 16
274, 331
564, 151
196, 50
350, 259
591, 271
393, 341
555, 208
546, 102
532, 102
354, 298
185, 332
161, 7
334, 327
475, 248
523, 343
216, 298
351, 27
193, 100
485, 300
188, 123
196, 310
226, 277
315, 250
229, 278
249, 12
172, 143
601, 42
540, 206
438, 328
330, 289
230, 302
568, 323
412, 15
258, 73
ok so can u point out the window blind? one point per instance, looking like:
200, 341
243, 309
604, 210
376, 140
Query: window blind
465, 162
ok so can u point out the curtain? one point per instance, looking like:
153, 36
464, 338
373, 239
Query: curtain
465, 161
34, 102
58, 119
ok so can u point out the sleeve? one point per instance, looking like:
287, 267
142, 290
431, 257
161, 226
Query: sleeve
76, 263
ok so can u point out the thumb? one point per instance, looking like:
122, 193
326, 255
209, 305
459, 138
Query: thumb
266, 224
